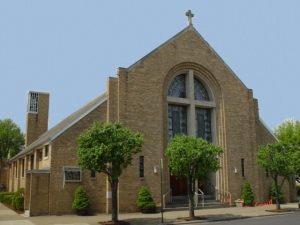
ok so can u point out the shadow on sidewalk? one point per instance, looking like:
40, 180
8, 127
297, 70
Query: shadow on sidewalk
208, 218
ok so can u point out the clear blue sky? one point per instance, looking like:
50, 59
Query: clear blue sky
69, 48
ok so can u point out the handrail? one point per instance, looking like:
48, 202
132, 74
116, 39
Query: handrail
225, 196
164, 198
197, 195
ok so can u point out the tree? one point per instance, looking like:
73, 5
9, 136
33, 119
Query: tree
279, 160
289, 131
248, 195
11, 139
108, 148
193, 158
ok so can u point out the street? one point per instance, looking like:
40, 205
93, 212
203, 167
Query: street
287, 219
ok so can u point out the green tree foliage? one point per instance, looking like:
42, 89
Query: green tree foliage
279, 160
289, 132
108, 148
193, 158
145, 201
81, 201
248, 195
11, 138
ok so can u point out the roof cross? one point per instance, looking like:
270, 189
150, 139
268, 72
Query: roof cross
190, 15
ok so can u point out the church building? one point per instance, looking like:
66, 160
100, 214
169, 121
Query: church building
183, 86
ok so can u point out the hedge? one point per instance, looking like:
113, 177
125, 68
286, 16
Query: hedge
14, 199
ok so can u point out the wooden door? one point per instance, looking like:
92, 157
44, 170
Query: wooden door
178, 186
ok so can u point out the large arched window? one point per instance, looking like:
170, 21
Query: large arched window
189, 107
178, 87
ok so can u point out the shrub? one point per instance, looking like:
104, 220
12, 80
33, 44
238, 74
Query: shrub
81, 201
14, 199
145, 201
7, 199
273, 194
247, 195
3, 194
18, 202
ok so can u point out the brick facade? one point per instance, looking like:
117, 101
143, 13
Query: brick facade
137, 98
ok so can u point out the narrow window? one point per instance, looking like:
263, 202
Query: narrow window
16, 169
31, 162
40, 153
93, 174
141, 170
23, 167
46, 151
243, 167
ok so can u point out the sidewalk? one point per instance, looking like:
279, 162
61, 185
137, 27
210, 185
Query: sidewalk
8, 217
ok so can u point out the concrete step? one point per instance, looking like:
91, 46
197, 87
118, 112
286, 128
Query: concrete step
184, 206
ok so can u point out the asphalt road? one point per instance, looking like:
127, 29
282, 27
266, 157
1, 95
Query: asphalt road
287, 219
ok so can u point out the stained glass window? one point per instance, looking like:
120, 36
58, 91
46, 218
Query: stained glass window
177, 120
178, 87
203, 119
200, 91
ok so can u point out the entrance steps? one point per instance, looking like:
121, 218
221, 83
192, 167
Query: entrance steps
181, 203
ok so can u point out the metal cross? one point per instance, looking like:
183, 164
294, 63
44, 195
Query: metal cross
190, 15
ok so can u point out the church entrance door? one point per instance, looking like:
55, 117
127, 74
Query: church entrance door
178, 185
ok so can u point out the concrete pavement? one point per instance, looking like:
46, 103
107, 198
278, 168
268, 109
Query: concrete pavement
9, 217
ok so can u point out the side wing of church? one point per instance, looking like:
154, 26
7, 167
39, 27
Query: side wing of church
183, 86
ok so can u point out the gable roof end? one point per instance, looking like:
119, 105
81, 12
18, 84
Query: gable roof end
188, 28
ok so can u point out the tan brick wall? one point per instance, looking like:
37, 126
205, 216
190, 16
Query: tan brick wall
143, 107
39, 194
63, 153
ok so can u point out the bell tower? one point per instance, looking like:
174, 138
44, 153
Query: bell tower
37, 116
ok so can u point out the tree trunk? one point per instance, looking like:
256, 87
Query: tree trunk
277, 193
191, 193
114, 200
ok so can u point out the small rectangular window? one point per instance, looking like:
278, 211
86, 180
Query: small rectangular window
46, 151
16, 170
23, 167
40, 154
141, 169
243, 167
72, 174
32, 162
93, 174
